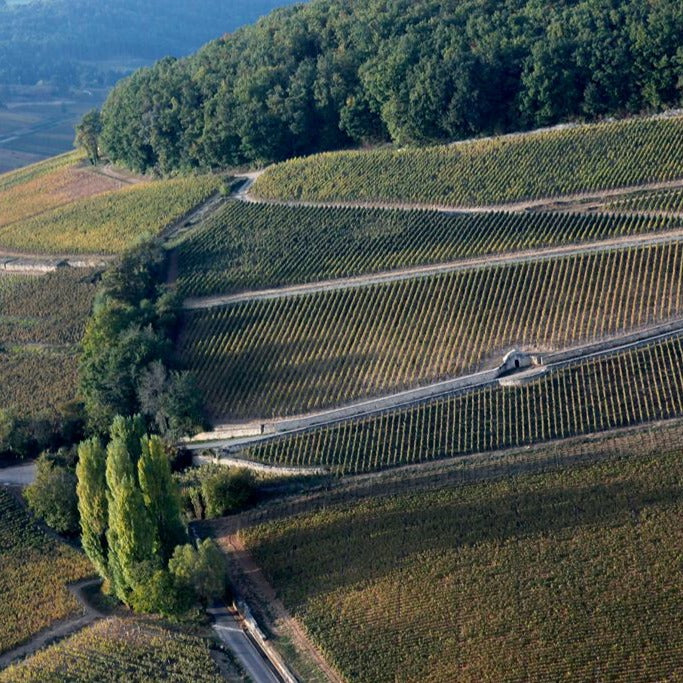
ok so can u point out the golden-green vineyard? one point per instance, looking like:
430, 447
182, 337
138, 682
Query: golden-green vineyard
249, 246
34, 571
291, 355
566, 575
114, 650
507, 169
110, 222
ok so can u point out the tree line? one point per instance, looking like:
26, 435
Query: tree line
333, 73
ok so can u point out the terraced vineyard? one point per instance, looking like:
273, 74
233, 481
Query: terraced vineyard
34, 171
566, 575
248, 246
487, 172
287, 356
642, 385
114, 650
109, 222
34, 571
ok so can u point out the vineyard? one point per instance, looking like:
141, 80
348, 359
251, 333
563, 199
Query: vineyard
45, 309
637, 386
34, 571
115, 650
251, 246
34, 171
48, 191
665, 201
109, 222
546, 164
292, 355
567, 575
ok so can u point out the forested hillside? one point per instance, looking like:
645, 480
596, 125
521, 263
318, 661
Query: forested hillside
67, 41
335, 72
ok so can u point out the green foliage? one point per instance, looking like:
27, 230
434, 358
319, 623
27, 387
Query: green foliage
291, 355
329, 72
161, 497
487, 172
127, 349
634, 387
52, 496
252, 246
226, 490
130, 515
199, 571
88, 133
92, 503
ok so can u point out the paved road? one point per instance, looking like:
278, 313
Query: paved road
541, 254
404, 399
21, 475
230, 632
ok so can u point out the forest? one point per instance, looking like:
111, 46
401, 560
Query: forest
44, 40
335, 73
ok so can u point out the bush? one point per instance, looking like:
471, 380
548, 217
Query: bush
52, 496
199, 571
226, 491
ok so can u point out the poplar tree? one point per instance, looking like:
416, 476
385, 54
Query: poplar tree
92, 503
160, 497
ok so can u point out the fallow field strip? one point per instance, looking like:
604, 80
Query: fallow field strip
291, 356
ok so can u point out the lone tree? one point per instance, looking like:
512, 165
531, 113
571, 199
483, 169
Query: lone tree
88, 135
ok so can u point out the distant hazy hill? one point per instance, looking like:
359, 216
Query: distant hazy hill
334, 72
86, 42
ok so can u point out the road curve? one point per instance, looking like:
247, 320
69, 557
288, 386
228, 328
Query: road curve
527, 256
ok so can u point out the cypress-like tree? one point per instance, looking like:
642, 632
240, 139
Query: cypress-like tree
92, 503
160, 497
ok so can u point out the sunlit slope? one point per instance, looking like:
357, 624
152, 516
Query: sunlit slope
584, 159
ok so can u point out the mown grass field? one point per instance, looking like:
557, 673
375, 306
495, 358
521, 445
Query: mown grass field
109, 222
114, 650
565, 575
34, 571
638, 386
249, 246
507, 169
292, 355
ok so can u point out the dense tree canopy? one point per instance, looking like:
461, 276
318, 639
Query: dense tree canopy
337, 72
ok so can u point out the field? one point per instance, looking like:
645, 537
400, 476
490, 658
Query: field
287, 356
46, 309
34, 571
42, 319
634, 387
568, 575
110, 222
507, 169
247, 246
115, 650
39, 192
